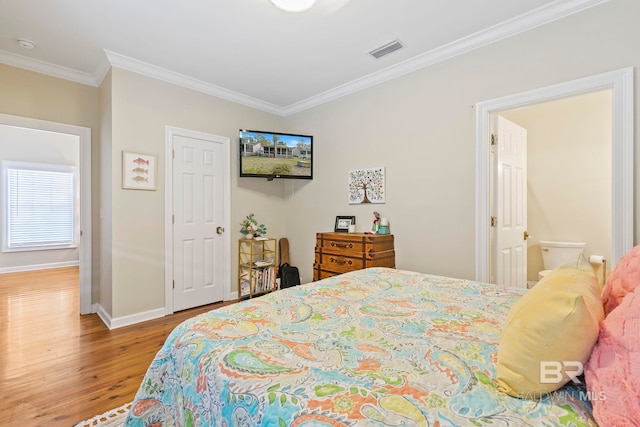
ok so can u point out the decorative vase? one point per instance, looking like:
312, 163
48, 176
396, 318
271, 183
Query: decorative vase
248, 236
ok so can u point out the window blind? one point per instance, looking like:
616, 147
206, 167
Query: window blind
40, 207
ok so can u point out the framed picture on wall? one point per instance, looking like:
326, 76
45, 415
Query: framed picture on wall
367, 186
138, 171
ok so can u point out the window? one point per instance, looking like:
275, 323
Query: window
40, 206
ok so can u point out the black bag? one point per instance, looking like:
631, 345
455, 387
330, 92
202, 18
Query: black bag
289, 276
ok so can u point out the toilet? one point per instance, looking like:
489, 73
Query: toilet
556, 254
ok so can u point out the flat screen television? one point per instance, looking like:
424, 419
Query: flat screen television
275, 155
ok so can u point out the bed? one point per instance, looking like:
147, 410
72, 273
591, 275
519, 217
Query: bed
375, 347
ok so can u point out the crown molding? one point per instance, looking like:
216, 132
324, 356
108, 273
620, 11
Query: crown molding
102, 69
168, 76
520, 24
552, 12
47, 68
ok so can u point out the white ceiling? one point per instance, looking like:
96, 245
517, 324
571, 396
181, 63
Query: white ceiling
250, 52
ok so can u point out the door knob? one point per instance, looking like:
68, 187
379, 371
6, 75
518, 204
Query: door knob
219, 230
527, 235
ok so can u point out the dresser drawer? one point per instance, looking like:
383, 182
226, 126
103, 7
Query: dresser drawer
353, 243
327, 265
339, 263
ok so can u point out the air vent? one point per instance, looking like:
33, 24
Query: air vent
386, 49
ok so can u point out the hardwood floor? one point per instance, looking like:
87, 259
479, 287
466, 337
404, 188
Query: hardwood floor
58, 368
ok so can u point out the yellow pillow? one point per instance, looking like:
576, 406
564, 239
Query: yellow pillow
549, 333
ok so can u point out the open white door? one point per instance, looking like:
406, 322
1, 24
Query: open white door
199, 175
510, 230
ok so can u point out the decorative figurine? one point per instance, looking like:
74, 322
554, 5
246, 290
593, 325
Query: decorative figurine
376, 223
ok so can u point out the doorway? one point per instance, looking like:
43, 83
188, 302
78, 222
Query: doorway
83, 135
197, 212
620, 82
567, 191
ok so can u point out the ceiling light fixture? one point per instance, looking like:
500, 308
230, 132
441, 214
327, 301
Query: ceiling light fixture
293, 5
27, 44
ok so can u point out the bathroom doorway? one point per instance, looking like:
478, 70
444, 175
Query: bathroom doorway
568, 187
621, 205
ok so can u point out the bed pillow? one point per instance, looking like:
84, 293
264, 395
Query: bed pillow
612, 371
555, 324
624, 278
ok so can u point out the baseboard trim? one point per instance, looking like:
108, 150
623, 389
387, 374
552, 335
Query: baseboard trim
119, 322
33, 267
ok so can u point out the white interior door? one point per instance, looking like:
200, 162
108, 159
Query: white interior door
510, 245
198, 221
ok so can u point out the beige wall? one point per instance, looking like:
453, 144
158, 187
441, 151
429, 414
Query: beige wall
34, 146
421, 127
142, 107
569, 173
29, 94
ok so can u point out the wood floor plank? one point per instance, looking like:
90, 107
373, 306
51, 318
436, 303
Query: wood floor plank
58, 368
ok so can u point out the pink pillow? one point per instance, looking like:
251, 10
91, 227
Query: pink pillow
624, 278
612, 372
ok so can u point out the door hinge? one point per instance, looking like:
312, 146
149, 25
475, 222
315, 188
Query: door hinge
494, 139
173, 154
174, 284
173, 219
494, 221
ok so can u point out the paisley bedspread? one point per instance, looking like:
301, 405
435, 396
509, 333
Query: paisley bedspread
375, 347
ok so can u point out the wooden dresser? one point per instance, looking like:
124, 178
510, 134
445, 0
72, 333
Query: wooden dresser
338, 253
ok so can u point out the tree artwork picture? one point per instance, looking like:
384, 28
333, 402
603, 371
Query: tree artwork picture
367, 186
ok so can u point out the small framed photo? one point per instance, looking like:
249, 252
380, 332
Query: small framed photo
138, 171
343, 223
